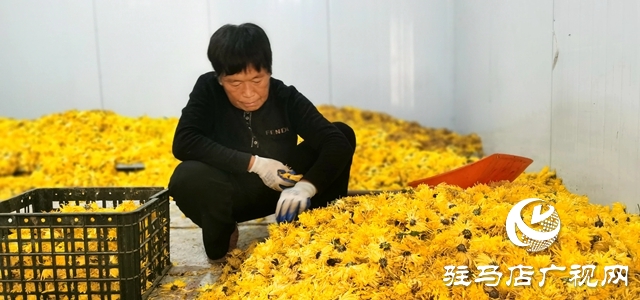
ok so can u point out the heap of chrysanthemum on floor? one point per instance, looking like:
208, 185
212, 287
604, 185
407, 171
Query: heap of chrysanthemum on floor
385, 246
413, 245
82, 148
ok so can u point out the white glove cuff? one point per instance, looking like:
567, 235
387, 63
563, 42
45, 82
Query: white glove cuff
307, 187
256, 161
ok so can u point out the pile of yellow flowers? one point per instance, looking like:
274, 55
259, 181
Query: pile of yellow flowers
425, 243
82, 148
391, 152
70, 253
433, 243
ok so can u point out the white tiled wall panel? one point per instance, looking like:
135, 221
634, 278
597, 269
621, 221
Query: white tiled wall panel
395, 57
151, 53
298, 35
48, 59
503, 62
596, 99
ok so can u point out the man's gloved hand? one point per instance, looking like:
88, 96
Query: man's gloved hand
269, 171
294, 200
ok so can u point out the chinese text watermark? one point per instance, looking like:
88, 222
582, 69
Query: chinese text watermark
521, 275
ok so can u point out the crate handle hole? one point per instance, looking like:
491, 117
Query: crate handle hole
109, 219
59, 220
75, 219
92, 219
26, 220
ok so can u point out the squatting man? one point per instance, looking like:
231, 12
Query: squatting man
237, 138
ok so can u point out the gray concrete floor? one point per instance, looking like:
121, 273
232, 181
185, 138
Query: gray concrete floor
189, 260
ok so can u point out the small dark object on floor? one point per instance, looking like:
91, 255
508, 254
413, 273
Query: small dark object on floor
130, 167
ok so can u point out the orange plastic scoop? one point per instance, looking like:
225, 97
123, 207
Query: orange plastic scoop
493, 168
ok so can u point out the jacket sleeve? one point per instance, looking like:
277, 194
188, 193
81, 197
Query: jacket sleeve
333, 147
192, 141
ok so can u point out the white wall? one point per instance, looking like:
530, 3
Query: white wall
503, 75
150, 53
395, 57
143, 57
581, 117
595, 128
47, 58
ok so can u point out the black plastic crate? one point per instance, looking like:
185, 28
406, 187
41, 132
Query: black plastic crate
83, 255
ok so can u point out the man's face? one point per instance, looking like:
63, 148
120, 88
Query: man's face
247, 90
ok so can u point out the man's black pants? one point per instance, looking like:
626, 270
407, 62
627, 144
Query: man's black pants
215, 200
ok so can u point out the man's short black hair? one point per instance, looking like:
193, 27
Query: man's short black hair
234, 48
